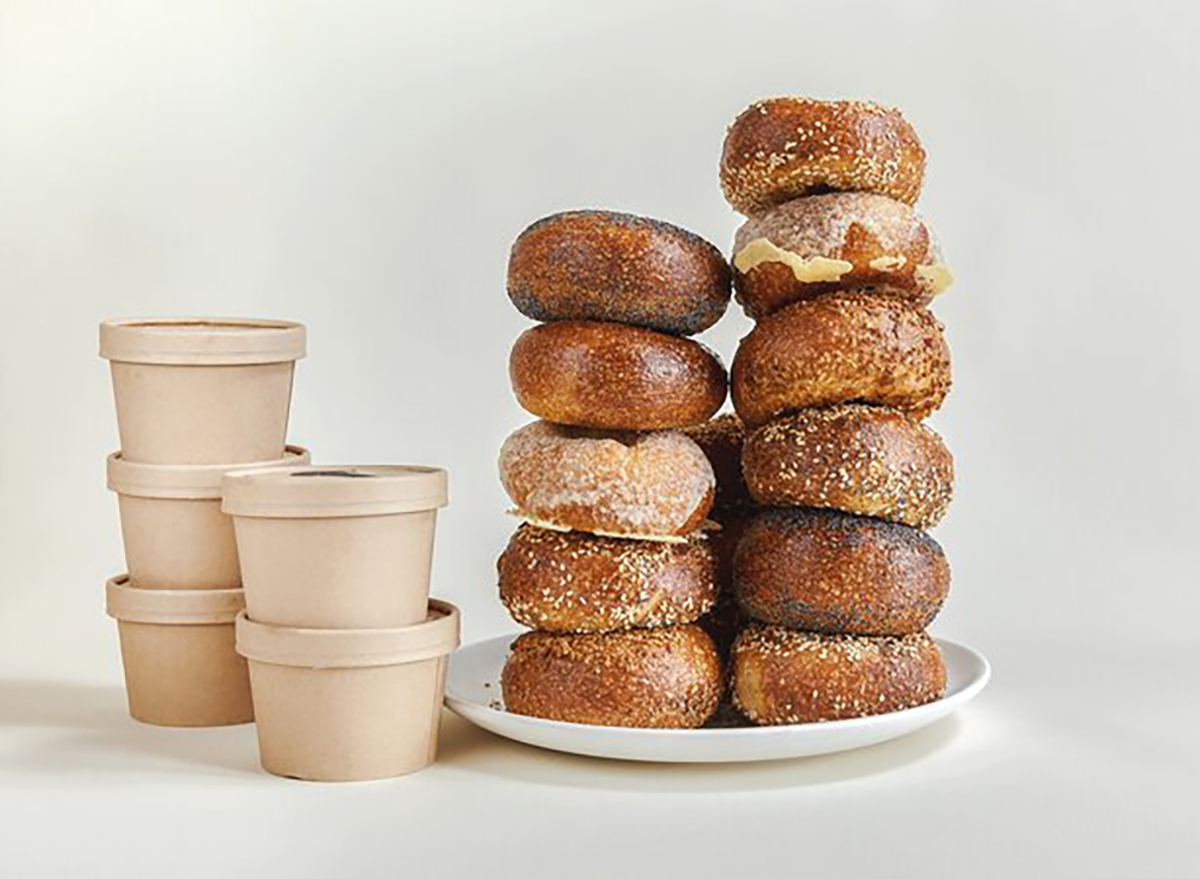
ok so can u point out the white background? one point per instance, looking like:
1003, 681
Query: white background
363, 167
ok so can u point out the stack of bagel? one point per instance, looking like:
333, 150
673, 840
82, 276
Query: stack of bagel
837, 573
611, 567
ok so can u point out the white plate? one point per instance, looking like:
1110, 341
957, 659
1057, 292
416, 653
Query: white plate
473, 691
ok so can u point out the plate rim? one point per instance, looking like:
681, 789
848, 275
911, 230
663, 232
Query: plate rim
941, 706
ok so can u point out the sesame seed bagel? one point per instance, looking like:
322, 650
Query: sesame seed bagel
608, 375
721, 438
665, 678
784, 148
803, 248
830, 572
620, 484
783, 676
841, 348
866, 460
602, 265
575, 582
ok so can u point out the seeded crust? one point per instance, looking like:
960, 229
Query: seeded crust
573, 582
619, 482
722, 438
783, 148
840, 348
782, 676
666, 678
608, 375
865, 240
608, 266
830, 572
867, 460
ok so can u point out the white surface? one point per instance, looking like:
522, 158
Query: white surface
473, 692
363, 167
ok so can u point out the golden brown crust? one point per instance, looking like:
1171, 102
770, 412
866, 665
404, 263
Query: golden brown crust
617, 377
784, 148
810, 246
830, 572
575, 582
867, 460
608, 266
840, 348
782, 676
664, 678
722, 438
621, 483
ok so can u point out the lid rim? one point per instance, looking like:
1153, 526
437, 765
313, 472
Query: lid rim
432, 638
186, 481
171, 607
354, 491
261, 341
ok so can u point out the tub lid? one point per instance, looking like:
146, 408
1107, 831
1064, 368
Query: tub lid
435, 636
310, 492
172, 607
184, 481
201, 341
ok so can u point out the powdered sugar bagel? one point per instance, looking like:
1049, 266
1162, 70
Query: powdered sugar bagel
619, 483
813, 245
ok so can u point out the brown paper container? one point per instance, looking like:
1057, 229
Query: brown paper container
349, 705
335, 547
181, 668
201, 390
176, 536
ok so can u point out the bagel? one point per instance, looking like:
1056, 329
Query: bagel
782, 676
573, 582
783, 148
830, 572
721, 438
616, 377
665, 678
608, 266
841, 348
866, 460
810, 246
617, 484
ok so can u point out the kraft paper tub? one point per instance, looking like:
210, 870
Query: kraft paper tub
335, 547
178, 649
202, 390
175, 535
349, 705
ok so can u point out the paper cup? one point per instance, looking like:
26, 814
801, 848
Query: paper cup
181, 666
335, 547
176, 536
349, 705
201, 390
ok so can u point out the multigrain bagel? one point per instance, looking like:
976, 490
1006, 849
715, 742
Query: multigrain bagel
669, 677
783, 676
830, 572
619, 484
608, 266
613, 376
867, 460
803, 248
574, 582
721, 438
783, 148
842, 347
